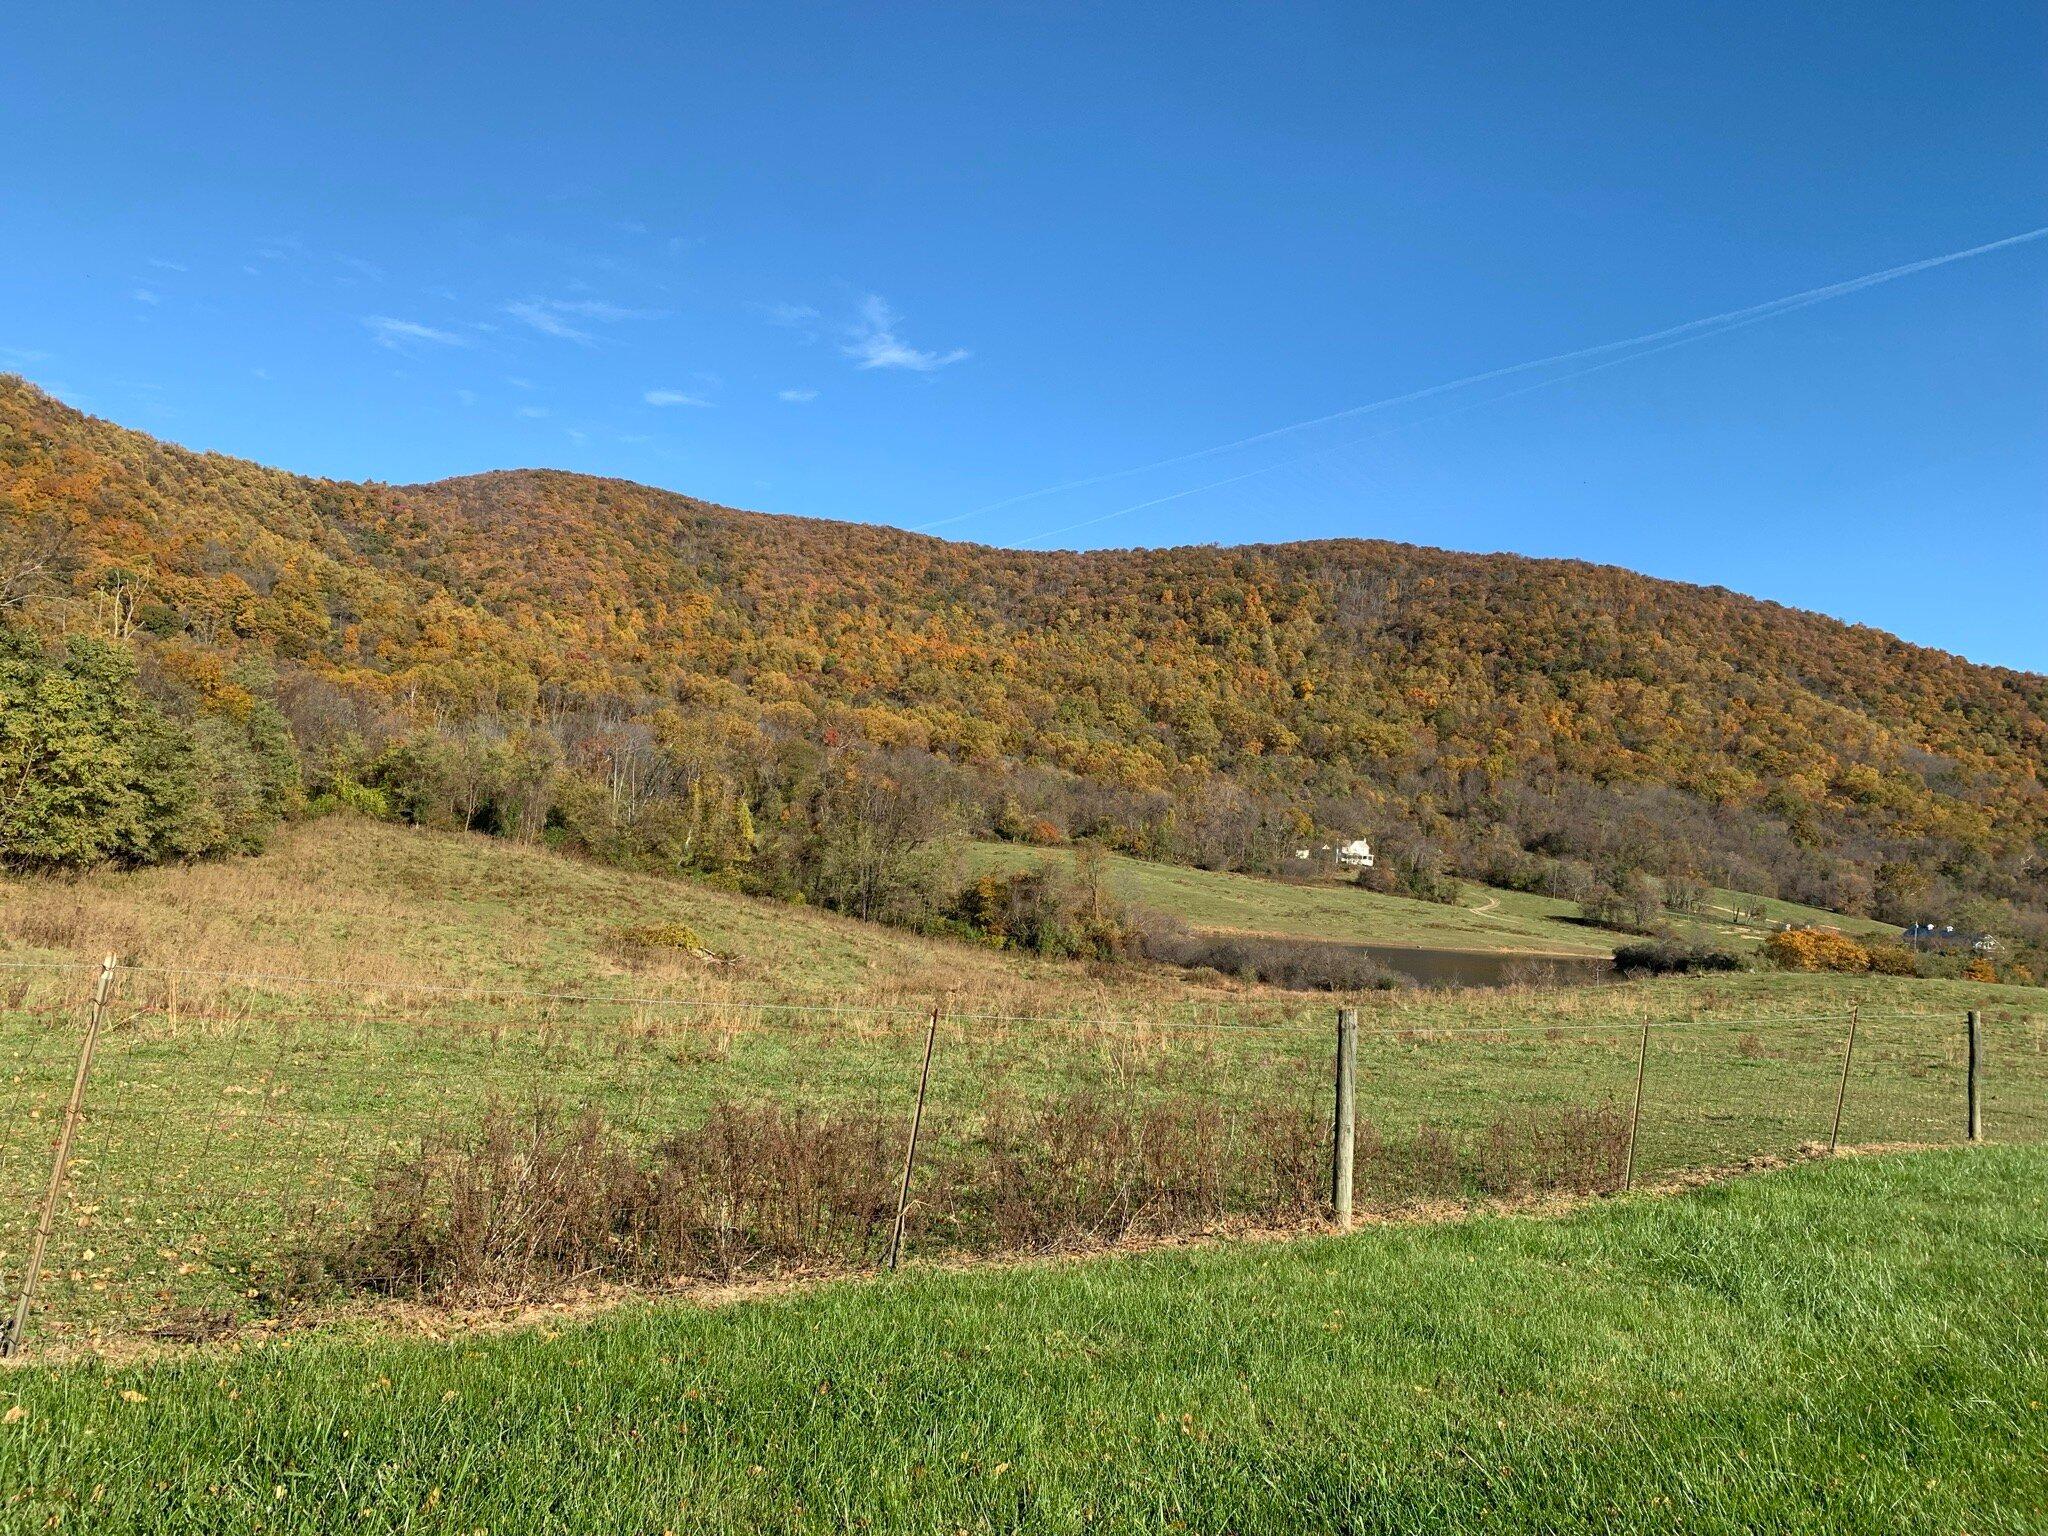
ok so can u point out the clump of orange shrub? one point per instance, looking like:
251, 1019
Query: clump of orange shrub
1815, 949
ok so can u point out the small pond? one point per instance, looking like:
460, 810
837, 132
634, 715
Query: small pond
1475, 968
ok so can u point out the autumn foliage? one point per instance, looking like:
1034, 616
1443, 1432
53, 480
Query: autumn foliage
663, 681
1815, 949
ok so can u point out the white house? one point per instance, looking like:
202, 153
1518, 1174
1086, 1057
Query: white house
1352, 855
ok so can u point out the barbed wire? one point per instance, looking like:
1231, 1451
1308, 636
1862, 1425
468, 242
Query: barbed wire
237, 1169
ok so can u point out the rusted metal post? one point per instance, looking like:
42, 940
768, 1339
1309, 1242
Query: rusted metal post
924, 1079
1344, 1125
48, 1219
1842, 1088
1635, 1113
1975, 1024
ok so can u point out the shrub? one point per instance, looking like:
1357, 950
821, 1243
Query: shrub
1980, 968
1667, 957
348, 795
534, 1201
1893, 960
1417, 879
1043, 911
662, 934
1815, 949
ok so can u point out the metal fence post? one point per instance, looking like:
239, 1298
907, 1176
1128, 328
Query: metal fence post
1842, 1088
1635, 1113
1975, 1094
924, 1078
1344, 1137
19, 1325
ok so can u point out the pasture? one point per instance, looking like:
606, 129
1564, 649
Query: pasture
279, 1037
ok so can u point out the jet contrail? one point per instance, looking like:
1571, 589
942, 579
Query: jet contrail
1456, 410
1686, 331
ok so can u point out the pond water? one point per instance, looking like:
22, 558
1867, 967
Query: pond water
1474, 968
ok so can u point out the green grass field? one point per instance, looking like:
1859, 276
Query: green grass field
229, 1100
1487, 919
1846, 1346
1217, 899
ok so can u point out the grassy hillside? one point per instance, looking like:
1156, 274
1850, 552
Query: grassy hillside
1221, 900
1720, 923
342, 896
389, 906
1488, 920
286, 1024
1847, 1346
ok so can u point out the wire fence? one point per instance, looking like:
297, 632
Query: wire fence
246, 1150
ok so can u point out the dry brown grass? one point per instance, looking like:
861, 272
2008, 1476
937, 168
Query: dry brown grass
389, 909
535, 1202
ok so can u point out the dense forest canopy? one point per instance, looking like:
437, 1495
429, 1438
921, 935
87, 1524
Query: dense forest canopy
654, 677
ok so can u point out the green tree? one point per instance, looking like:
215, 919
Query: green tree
70, 790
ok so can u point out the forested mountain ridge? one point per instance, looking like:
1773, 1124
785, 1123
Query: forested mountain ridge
1499, 714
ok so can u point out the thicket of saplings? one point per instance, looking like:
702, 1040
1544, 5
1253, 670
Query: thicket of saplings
535, 1200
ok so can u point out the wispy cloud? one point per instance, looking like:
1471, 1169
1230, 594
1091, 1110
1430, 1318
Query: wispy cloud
144, 296
796, 396
554, 317
533, 412
165, 265
673, 397
361, 268
402, 335
872, 342
799, 318
600, 309
23, 356
543, 319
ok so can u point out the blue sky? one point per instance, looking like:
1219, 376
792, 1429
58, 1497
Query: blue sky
916, 264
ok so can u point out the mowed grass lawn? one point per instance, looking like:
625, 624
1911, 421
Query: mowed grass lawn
1323, 909
1486, 919
1855, 1345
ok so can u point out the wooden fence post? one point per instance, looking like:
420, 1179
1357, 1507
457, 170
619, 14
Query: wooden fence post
1344, 1127
1974, 1024
924, 1078
101, 993
1842, 1088
1635, 1112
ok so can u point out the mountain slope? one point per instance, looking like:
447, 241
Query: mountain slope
1208, 704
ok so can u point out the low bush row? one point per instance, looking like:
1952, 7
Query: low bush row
530, 1203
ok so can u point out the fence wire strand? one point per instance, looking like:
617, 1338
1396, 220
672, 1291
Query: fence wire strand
195, 1194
